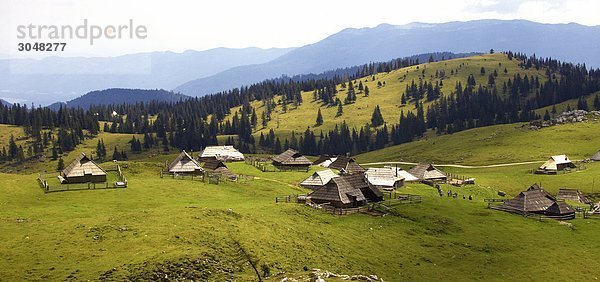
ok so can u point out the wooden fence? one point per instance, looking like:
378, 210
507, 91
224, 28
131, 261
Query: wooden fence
294, 198
539, 217
265, 165
121, 183
208, 177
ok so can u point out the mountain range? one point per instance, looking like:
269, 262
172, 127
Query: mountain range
194, 73
55, 79
357, 46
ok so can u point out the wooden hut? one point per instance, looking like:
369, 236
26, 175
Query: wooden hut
428, 172
291, 159
346, 165
216, 166
555, 164
537, 200
223, 153
185, 164
318, 179
82, 170
383, 178
346, 192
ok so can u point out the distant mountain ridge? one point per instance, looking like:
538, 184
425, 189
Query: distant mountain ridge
120, 96
357, 46
63, 78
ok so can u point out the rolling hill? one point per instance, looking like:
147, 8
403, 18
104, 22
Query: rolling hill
356, 46
388, 97
121, 96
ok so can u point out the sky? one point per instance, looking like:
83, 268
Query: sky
179, 25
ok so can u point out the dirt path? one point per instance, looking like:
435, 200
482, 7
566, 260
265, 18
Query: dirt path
459, 166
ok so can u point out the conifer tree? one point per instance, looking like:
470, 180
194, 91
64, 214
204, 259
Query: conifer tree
547, 115
340, 110
116, 155
61, 165
377, 117
319, 120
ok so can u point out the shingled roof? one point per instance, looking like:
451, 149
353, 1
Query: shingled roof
223, 153
534, 200
81, 166
291, 157
555, 163
346, 191
572, 195
318, 179
339, 192
213, 164
346, 164
324, 160
383, 177
184, 163
401, 173
427, 172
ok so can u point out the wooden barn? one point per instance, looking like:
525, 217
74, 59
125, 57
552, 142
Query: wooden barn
216, 166
346, 165
428, 172
555, 164
383, 178
318, 179
291, 159
185, 164
537, 200
348, 191
82, 170
223, 153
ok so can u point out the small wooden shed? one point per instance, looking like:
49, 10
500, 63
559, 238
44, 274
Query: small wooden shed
185, 164
291, 159
346, 165
82, 170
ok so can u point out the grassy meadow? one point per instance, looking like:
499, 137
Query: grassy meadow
500, 144
120, 233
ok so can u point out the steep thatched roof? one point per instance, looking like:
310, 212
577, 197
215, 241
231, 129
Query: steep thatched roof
346, 164
427, 172
81, 166
184, 163
535, 199
224, 153
319, 178
291, 157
